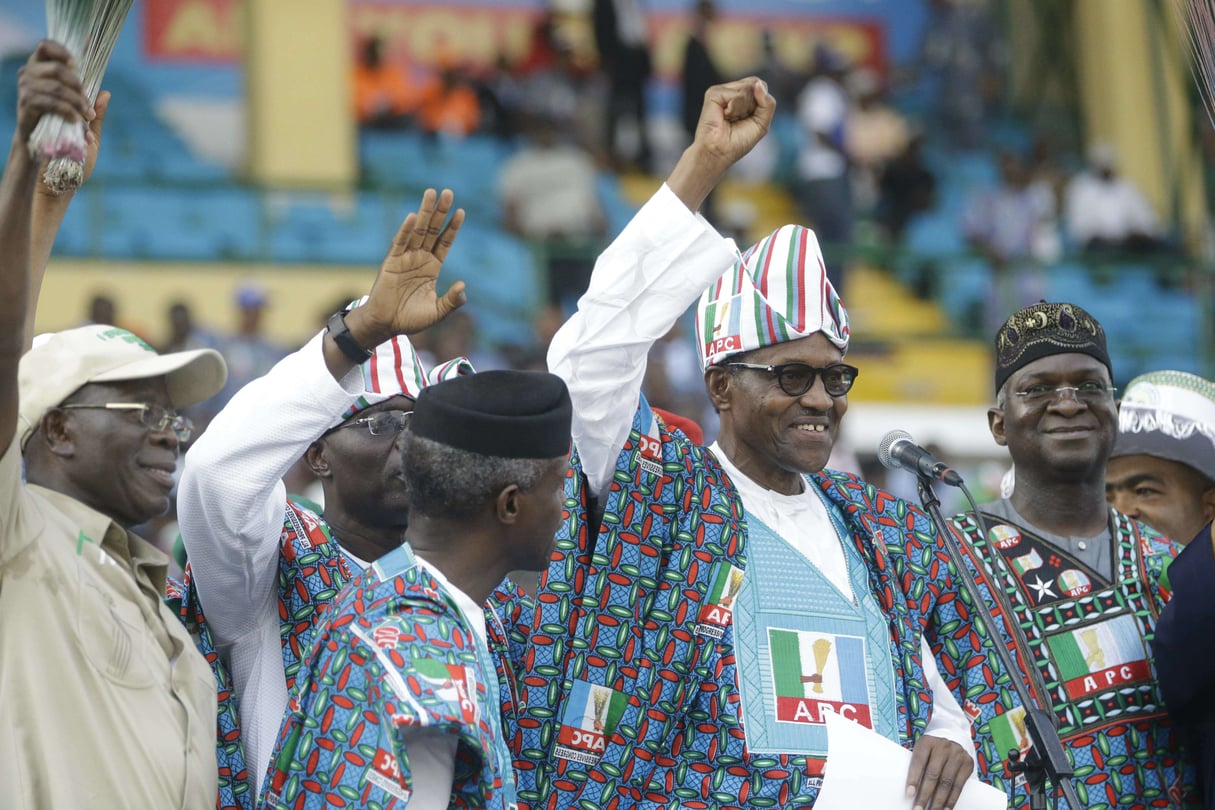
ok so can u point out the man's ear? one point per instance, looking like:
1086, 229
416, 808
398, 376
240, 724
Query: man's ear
56, 434
315, 457
719, 383
1208, 503
506, 505
995, 423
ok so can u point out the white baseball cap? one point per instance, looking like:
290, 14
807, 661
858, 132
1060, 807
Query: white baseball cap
62, 362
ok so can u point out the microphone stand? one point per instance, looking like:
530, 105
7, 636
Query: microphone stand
1046, 760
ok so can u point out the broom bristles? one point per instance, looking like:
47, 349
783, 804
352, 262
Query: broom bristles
1198, 21
89, 29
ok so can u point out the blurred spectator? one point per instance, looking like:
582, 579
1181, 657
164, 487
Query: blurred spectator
249, 353
1045, 171
542, 46
1014, 226
875, 134
621, 39
449, 104
384, 95
185, 335
824, 183
699, 71
961, 56
102, 310
1016, 220
908, 187
533, 356
552, 93
458, 332
783, 82
548, 193
1108, 212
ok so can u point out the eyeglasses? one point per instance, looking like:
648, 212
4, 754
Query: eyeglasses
151, 416
796, 379
1089, 392
384, 423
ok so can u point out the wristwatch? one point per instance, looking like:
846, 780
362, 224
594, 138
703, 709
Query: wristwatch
345, 341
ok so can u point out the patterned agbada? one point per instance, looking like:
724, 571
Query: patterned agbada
1087, 639
393, 654
311, 571
626, 662
234, 792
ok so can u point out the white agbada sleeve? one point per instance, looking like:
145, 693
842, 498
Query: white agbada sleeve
642, 283
231, 503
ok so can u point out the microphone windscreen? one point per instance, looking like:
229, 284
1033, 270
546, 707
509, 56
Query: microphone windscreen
887, 443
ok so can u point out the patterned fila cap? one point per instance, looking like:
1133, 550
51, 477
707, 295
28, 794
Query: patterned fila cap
1169, 415
776, 292
395, 369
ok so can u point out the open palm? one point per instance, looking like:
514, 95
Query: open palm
404, 298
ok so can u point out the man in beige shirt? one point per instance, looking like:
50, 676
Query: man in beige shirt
105, 701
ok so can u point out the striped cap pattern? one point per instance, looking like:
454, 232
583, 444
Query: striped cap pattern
395, 369
776, 292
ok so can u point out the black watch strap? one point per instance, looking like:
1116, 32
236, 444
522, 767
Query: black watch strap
344, 340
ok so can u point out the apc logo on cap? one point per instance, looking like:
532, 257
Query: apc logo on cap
128, 337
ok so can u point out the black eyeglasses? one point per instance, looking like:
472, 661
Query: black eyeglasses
384, 423
150, 416
796, 379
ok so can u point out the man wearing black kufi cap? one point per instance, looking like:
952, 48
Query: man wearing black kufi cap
1080, 585
401, 698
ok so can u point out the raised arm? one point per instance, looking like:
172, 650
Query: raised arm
47, 84
654, 270
231, 499
49, 210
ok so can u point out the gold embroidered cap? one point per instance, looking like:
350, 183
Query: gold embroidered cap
1044, 329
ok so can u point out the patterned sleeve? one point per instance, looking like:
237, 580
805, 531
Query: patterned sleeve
344, 742
1158, 555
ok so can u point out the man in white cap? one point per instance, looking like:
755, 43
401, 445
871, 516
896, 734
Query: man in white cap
263, 566
708, 608
106, 701
1162, 473
1162, 469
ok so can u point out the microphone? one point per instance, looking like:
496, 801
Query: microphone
897, 451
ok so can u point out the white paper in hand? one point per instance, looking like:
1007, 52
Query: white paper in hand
864, 769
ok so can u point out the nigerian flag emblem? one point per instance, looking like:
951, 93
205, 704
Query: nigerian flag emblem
1100, 657
816, 674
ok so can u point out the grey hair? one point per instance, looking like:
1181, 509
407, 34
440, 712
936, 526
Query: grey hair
1002, 396
442, 481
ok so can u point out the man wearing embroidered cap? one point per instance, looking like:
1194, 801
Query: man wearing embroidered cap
263, 566
105, 701
1162, 470
399, 704
1079, 584
708, 607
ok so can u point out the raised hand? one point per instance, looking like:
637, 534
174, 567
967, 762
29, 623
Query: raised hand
734, 118
404, 298
48, 83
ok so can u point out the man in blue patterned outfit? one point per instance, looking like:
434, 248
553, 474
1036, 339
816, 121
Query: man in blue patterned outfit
398, 703
1077, 587
695, 587
263, 567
